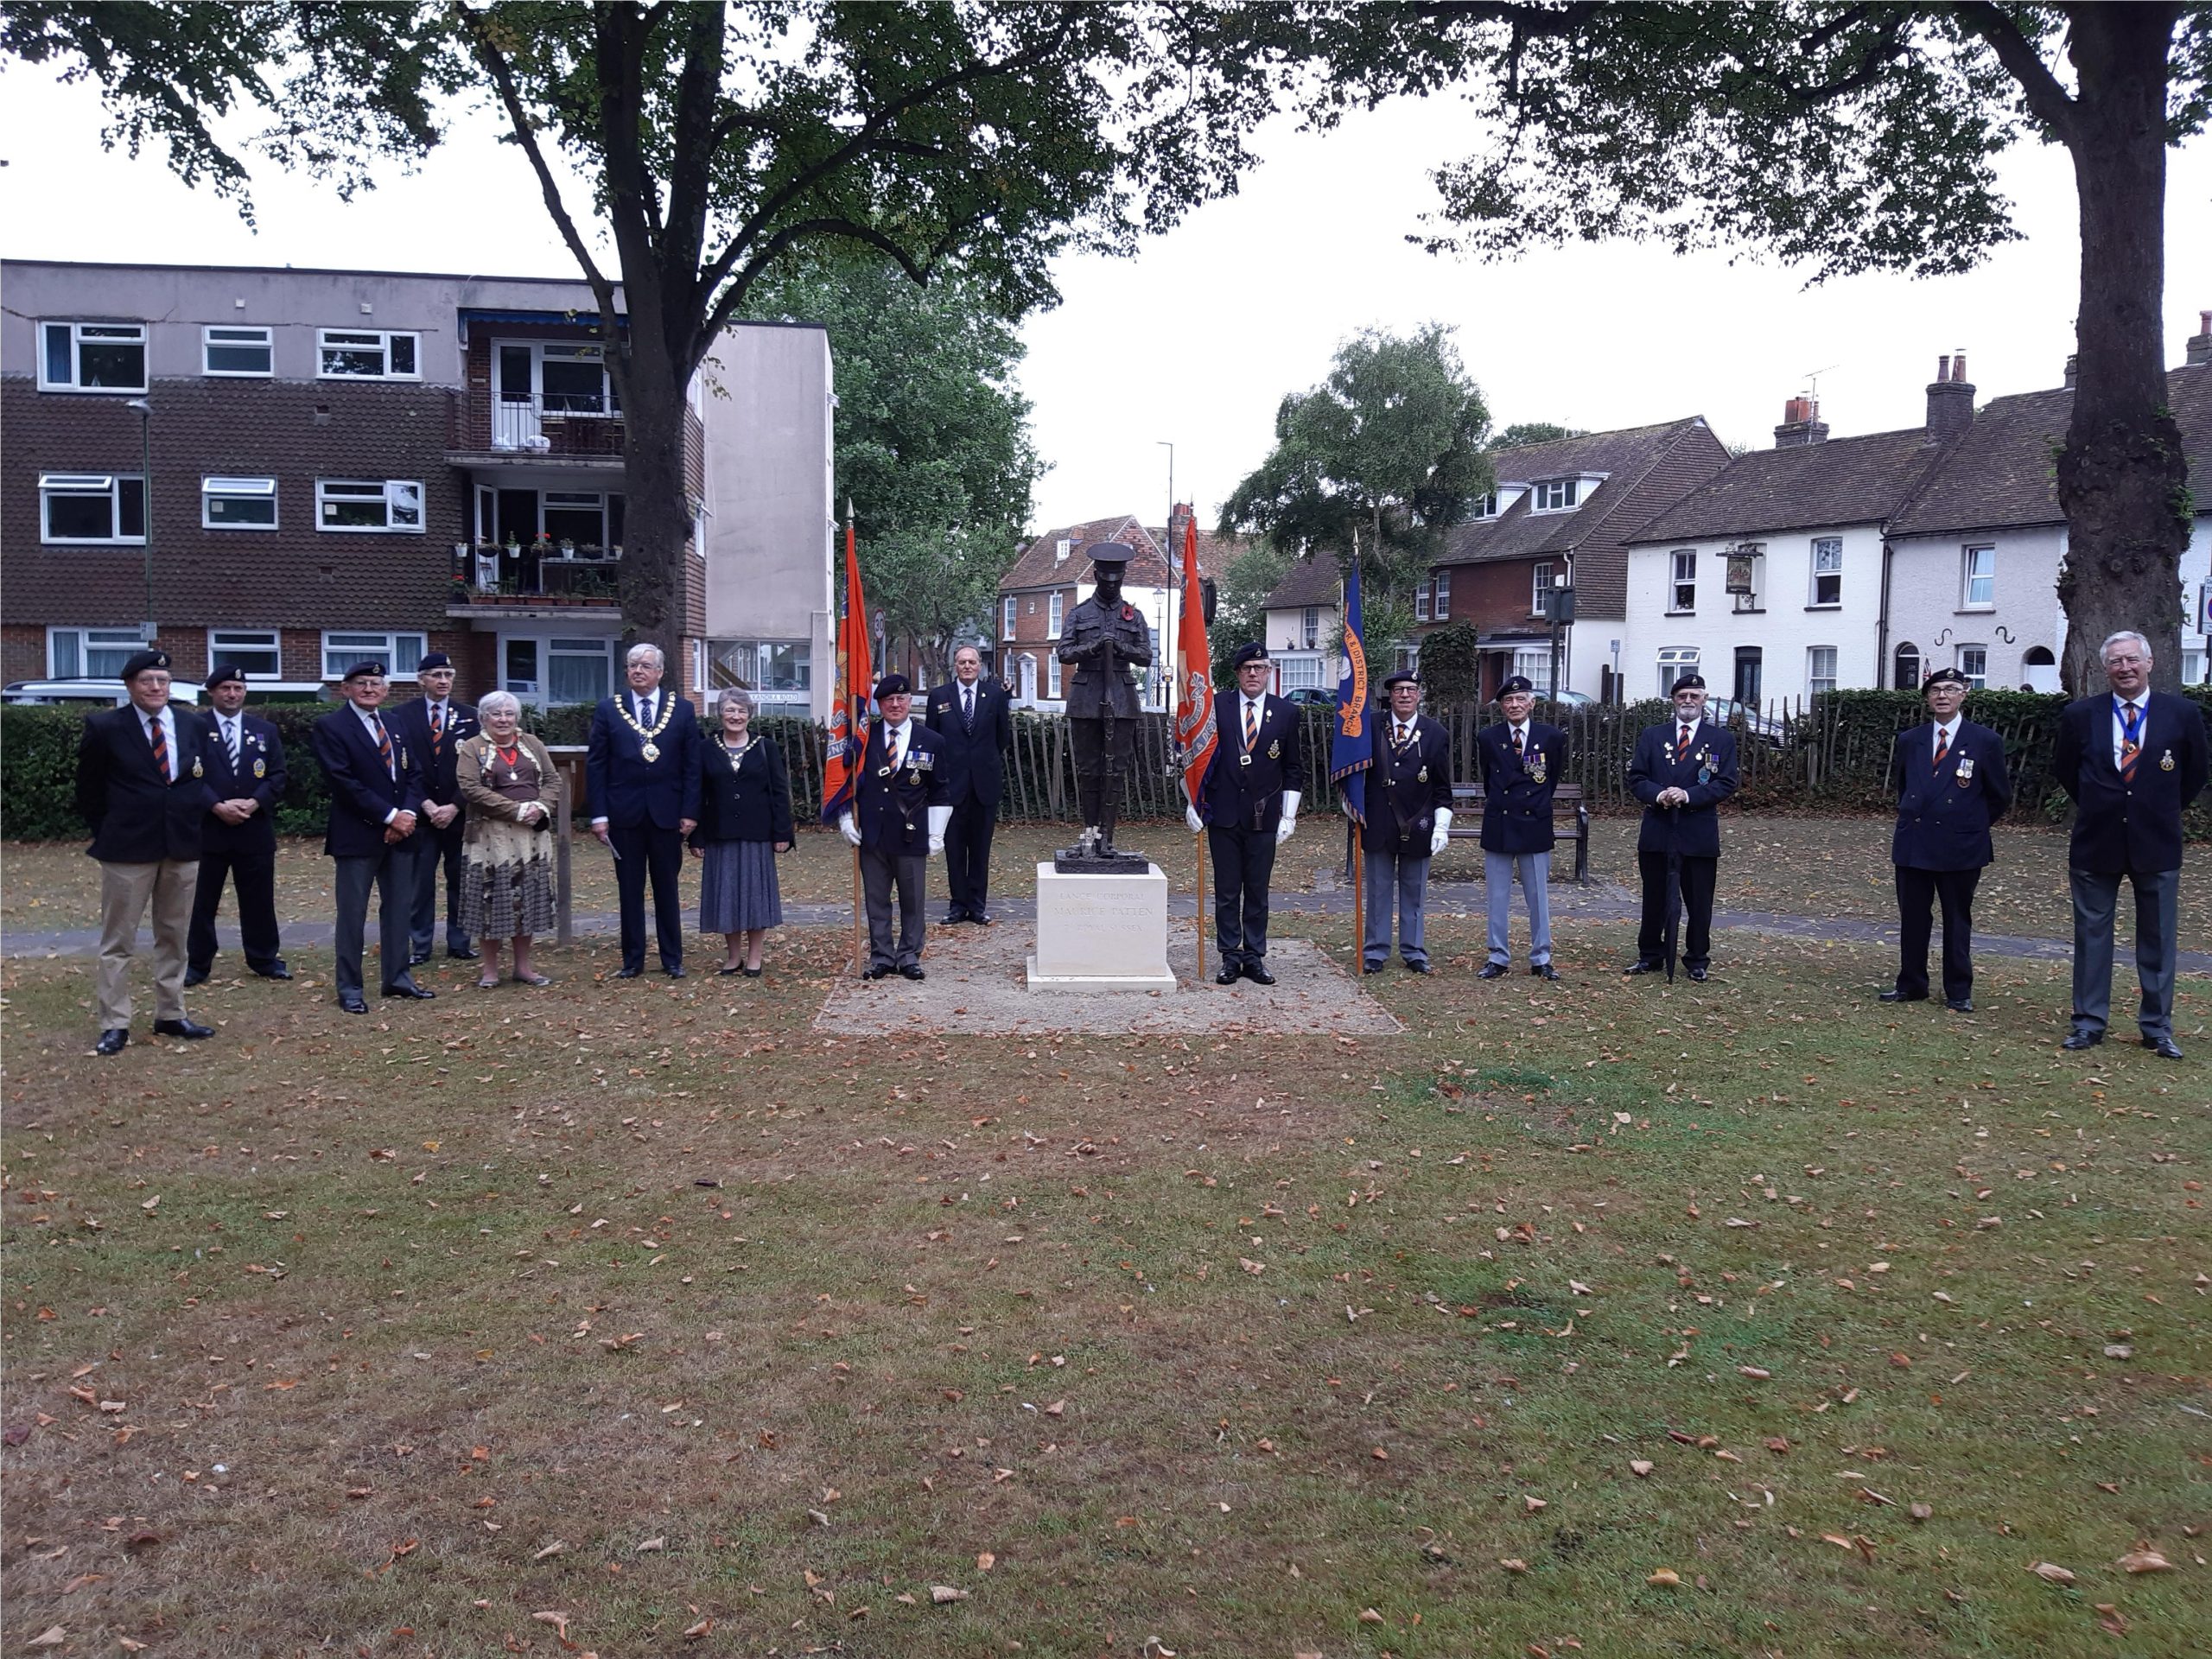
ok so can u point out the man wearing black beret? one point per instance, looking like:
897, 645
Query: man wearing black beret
245, 771
376, 799
1522, 762
1682, 770
435, 726
1408, 822
900, 812
1951, 783
1247, 805
142, 785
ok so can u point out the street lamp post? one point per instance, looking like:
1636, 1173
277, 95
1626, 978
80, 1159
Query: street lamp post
146, 504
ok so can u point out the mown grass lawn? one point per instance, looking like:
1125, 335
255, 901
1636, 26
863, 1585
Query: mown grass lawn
648, 1308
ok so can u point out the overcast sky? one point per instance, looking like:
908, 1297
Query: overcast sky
1196, 339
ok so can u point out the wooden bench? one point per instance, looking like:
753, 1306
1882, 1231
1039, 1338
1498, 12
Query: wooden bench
1570, 820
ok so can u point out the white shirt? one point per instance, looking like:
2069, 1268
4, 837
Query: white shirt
440, 714
2141, 702
894, 742
1683, 735
167, 720
232, 730
967, 701
1518, 733
1257, 707
372, 722
646, 705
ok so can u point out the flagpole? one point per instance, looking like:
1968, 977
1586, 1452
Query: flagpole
860, 903
1359, 846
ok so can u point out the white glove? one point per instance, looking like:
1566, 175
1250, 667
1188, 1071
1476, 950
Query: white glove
939, 816
1442, 833
1190, 816
1290, 800
850, 830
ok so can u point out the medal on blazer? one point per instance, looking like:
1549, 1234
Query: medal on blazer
1965, 770
1535, 767
2166, 762
1424, 776
195, 766
1275, 750
260, 767
648, 748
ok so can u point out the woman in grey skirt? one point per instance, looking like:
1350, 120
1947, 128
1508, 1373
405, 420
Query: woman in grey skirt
511, 791
745, 820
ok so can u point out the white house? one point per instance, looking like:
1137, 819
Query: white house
1301, 619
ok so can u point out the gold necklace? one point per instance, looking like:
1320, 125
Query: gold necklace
650, 749
737, 756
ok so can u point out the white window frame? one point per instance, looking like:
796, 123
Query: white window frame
1540, 581
75, 382
1556, 495
1309, 627
1675, 661
1486, 508
1966, 577
124, 640
109, 484
1421, 598
1816, 682
224, 646
1681, 567
393, 492
1052, 675
1439, 607
1007, 610
213, 490
1828, 548
1977, 676
328, 341
1533, 664
216, 337
1054, 607
364, 643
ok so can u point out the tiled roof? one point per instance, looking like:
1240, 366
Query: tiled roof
1215, 553
1844, 481
1038, 565
1308, 582
2000, 475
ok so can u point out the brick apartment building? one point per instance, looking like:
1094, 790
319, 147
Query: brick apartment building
357, 464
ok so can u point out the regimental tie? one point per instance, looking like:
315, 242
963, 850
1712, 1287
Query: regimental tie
383, 747
1520, 748
1683, 743
1943, 746
967, 709
2131, 745
1251, 724
437, 726
231, 742
161, 742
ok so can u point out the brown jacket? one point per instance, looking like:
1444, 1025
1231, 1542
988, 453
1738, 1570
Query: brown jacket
485, 805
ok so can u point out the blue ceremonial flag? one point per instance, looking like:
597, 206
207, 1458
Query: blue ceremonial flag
1352, 751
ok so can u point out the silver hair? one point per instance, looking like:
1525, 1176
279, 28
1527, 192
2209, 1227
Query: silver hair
646, 649
494, 703
2125, 633
736, 694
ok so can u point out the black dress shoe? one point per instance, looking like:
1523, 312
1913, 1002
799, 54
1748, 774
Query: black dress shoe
1640, 966
912, 970
980, 917
1697, 974
113, 1040
416, 959
1374, 967
1893, 995
466, 953
628, 973
953, 919
1543, 970
1417, 967
1958, 1004
2081, 1038
1490, 970
873, 973
195, 976
183, 1029
409, 989
276, 969
1258, 974
676, 972
1230, 976
2163, 1046
351, 1003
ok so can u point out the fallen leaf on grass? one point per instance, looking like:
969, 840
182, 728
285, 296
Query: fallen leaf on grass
553, 1548
651, 1545
1759, 1373
1536, 1505
2050, 1573
1514, 1564
1369, 1616
51, 1637
693, 1632
941, 1593
2145, 1560
2110, 1619
1921, 1511
558, 1621
1640, 1467
985, 1561
1665, 1577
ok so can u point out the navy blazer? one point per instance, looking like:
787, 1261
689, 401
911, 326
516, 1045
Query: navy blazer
1405, 786
1708, 772
361, 790
2130, 826
137, 815
413, 717
751, 801
260, 777
626, 788
974, 763
1516, 804
893, 805
1944, 812
1241, 791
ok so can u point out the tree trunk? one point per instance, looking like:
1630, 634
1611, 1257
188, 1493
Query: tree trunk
657, 517
2122, 476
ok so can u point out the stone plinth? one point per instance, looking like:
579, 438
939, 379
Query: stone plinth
1101, 932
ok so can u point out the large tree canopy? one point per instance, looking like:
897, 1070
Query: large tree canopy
932, 443
718, 140
1847, 138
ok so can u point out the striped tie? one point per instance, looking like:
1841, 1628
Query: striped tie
1252, 725
1943, 746
2131, 722
1520, 750
384, 748
1682, 749
231, 742
161, 746
437, 726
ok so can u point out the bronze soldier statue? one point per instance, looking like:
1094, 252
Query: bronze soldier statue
1103, 637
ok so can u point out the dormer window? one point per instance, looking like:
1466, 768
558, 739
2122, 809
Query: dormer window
1487, 508
1556, 495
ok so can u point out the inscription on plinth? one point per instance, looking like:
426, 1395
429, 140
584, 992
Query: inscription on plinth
1101, 932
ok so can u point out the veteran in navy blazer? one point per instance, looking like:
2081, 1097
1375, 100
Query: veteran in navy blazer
2132, 759
435, 726
641, 767
972, 719
376, 801
1682, 769
142, 786
899, 817
1248, 806
1522, 761
1408, 820
237, 842
1952, 785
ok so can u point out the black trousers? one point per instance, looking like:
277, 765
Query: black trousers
1697, 877
431, 844
391, 872
643, 850
255, 871
1244, 863
968, 856
1918, 891
880, 873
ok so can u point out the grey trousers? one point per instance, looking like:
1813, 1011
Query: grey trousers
392, 874
1535, 870
878, 873
1402, 878
2158, 916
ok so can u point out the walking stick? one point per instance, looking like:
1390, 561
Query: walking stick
859, 916
1674, 909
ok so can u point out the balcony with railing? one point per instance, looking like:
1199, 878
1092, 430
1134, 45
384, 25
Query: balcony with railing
566, 428
491, 579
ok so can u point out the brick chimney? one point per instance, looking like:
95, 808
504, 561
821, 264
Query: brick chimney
1950, 399
2200, 343
2073, 367
1800, 424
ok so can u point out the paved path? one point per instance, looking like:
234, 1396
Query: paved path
1600, 901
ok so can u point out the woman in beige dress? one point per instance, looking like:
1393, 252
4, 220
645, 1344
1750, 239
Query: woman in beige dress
512, 792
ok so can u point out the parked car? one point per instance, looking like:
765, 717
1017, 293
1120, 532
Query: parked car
108, 693
1305, 695
1746, 719
1572, 699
